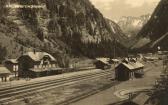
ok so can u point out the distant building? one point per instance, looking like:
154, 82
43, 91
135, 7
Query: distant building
12, 65
114, 61
129, 69
103, 63
4, 74
150, 58
140, 57
162, 52
37, 64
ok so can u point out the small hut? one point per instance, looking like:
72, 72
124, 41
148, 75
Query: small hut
4, 73
102, 63
12, 65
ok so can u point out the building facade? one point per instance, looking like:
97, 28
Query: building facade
37, 64
129, 70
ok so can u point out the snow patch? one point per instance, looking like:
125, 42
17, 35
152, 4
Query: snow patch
136, 23
113, 29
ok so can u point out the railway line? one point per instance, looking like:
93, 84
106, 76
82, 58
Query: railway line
19, 92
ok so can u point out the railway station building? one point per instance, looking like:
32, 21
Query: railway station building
37, 64
129, 69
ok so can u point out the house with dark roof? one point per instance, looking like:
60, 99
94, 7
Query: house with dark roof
129, 69
37, 64
102, 63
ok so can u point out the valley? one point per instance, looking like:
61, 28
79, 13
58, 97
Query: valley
70, 52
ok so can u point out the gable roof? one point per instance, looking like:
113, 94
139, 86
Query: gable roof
37, 56
104, 60
132, 65
4, 70
14, 61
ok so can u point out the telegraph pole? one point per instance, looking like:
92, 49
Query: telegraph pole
114, 56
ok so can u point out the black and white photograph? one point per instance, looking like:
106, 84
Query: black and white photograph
83, 52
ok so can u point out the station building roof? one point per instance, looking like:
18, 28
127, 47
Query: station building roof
37, 56
131, 65
14, 61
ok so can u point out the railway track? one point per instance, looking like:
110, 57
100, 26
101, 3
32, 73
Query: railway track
18, 92
87, 94
46, 81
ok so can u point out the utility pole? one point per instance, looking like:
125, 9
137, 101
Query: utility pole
114, 50
114, 56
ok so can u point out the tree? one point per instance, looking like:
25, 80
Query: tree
40, 34
3, 53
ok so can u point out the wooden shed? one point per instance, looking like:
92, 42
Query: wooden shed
102, 63
129, 70
4, 74
12, 65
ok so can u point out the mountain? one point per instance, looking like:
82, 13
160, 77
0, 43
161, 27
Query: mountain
132, 25
155, 32
119, 34
60, 27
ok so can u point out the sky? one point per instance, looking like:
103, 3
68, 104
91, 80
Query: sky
114, 9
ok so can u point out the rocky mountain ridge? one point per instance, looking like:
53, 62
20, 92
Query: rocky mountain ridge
60, 27
155, 32
132, 25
